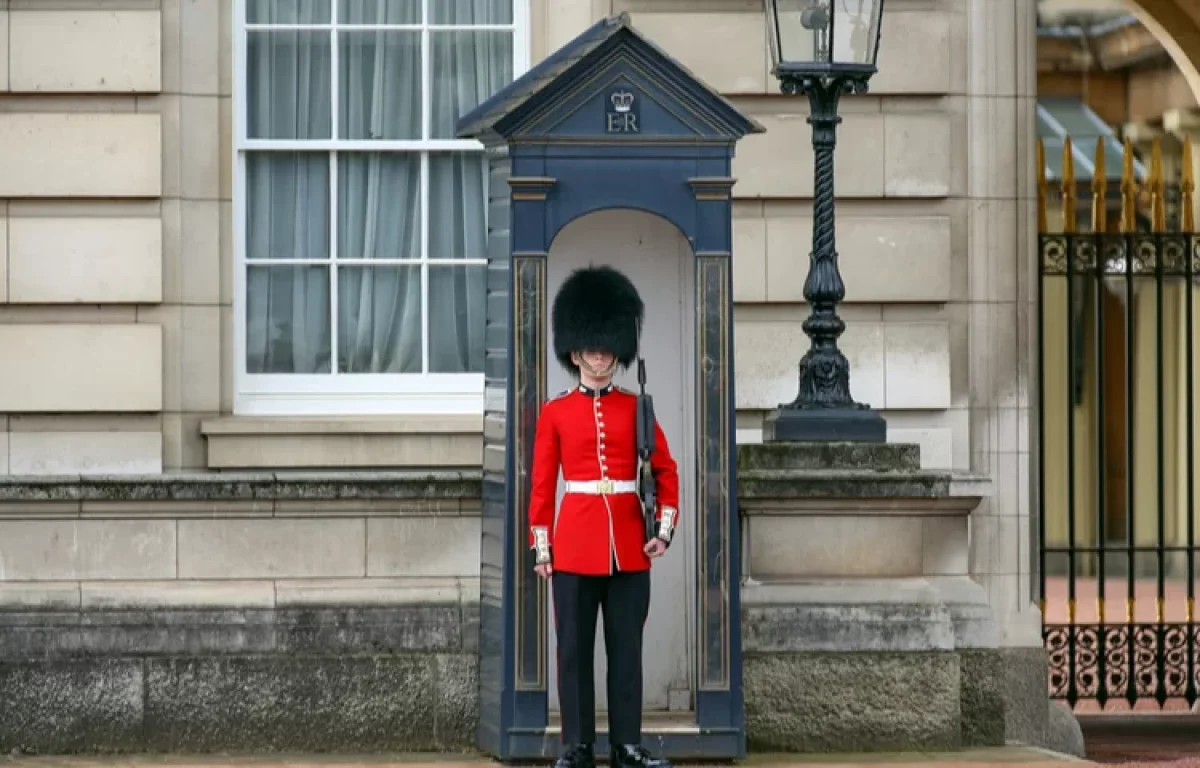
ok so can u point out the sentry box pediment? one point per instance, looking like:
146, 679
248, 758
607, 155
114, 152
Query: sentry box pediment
610, 83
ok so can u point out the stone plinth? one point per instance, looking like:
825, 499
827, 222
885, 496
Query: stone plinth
861, 626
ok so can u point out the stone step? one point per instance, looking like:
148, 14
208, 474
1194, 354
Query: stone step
881, 457
842, 483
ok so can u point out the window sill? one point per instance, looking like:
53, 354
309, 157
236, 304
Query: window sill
336, 442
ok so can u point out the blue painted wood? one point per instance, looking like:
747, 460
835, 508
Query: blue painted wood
607, 121
495, 565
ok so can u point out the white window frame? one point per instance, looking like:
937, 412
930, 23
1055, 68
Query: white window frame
339, 394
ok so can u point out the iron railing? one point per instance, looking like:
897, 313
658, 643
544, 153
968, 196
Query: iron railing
1117, 420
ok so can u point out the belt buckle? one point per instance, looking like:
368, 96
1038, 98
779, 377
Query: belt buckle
604, 487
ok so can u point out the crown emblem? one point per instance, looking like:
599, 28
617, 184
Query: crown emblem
622, 101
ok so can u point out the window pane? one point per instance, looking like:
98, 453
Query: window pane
457, 206
379, 205
288, 85
457, 308
287, 11
287, 205
287, 320
380, 11
468, 67
471, 12
379, 319
379, 85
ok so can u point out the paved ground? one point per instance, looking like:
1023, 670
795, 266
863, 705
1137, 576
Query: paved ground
1165, 740
1008, 758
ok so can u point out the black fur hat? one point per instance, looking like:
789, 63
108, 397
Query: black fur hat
596, 308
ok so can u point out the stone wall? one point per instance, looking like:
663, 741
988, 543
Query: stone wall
83, 173
902, 223
118, 224
117, 319
299, 673
249, 612
268, 612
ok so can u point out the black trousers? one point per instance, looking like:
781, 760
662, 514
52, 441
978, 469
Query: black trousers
624, 599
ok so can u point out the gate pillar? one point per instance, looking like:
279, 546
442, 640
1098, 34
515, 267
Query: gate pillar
608, 121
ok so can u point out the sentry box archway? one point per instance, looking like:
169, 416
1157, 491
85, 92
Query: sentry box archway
610, 151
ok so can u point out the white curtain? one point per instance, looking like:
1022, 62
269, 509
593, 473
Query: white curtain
378, 202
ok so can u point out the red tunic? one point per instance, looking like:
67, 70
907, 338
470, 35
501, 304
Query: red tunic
592, 436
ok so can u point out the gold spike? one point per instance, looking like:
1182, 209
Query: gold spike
1159, 611
1188, 188
1043, 226
1191, 610
1071, 612
1068, 188
1129, 610
1129, 191
1100, 204
1100, 609
1158, 203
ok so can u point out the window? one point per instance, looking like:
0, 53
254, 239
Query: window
361, 226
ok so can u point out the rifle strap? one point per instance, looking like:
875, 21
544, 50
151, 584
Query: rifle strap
641, 363
641, 376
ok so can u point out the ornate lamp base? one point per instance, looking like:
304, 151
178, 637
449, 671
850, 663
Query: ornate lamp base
824, 425
824, 411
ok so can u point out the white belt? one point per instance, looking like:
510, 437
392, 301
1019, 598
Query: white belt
601, 487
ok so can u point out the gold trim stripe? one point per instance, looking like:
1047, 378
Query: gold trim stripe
525, 268
519, 512
716, 345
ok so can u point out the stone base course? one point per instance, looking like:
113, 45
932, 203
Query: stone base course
315, 679
255, 663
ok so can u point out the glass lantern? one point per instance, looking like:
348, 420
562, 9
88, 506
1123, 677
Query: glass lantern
824, 37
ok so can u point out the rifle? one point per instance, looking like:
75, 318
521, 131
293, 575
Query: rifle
647, 487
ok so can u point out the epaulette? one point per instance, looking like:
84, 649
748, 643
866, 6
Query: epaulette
560, 395
624, 391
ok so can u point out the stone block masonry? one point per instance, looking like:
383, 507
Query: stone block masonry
340, 612
304, 679
151, 638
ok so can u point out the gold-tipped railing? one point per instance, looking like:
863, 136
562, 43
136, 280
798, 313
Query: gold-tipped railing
1117, 421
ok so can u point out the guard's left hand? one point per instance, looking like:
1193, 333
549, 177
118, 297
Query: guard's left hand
656, 547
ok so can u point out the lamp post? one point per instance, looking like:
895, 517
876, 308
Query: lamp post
824, 48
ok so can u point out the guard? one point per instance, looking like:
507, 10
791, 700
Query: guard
596, 554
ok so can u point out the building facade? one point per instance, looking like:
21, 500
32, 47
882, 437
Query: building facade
243, 247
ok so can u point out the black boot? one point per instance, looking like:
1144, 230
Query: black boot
577, 756
636, 756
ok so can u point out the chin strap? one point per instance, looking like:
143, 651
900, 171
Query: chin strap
607, 372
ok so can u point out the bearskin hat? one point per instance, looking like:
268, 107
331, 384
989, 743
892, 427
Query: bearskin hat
596, 308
